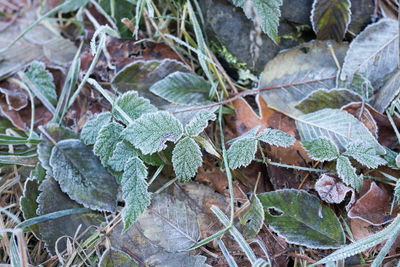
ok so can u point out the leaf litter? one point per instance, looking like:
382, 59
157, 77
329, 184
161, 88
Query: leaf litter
150, 176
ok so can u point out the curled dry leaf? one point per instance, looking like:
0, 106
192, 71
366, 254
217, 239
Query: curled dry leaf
385, 132
332, 191
373, 207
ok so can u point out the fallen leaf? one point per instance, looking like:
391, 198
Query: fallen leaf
332, 191
39, 43
385, 132
246, 119
373, 207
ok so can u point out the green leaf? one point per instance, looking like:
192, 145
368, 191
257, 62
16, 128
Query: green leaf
391, 158
276, 137
27, 202
323, 98
301, 219
249, 134
92, 127
265, 11
107, 139
252, 220
151, 131
123, 151
52, 200
330, 19
396, 193
321, 149
134, 191
336, 125
43, 80
152, 159
134, 106
82, 176
347, 173
182, 88
199, 122
364, 154
242, 152
186, 159
57, 133
363, 244
113, 258
72, 5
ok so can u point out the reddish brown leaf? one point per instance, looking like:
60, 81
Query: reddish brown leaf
385, 132
246, 119
373, 207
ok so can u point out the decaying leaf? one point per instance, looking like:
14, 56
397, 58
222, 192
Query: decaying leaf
323, 98
296, 73
52, 199
371, 52
39, 43
82, 176
170, 223
332, 191
252, 220
299, 217
373, 207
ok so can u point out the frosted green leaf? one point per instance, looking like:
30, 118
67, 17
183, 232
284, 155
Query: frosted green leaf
242, 152
396, 193
199, 122
134, 191
186, 159
92, 127
347, 173
133, 105
323, 98
301, 219
123, 151
43, 80
116, 258
252, 220
151, 131
27, 201
51, 199
321, 149
330, 19
57, 133
176, 259
336, 125
107, 139
390, 158
363, 244
276, 137
266, 12
182, 88
71, 5
364, 154
82, 176
249, 134
152, 159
